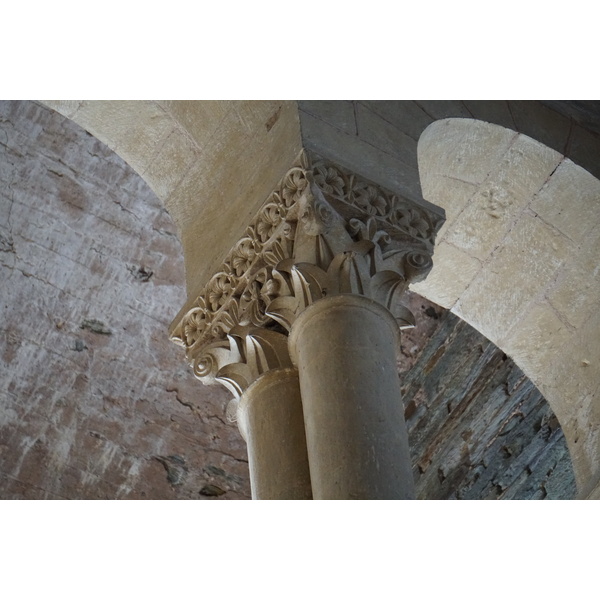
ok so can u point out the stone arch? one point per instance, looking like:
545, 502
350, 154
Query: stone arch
211, 163
517, 258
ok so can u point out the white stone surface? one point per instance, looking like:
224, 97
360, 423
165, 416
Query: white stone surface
453, 147
517, 273
532, 220
570, 201
453, 270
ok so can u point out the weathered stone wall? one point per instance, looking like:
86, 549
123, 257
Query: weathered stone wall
95, 402
478, 428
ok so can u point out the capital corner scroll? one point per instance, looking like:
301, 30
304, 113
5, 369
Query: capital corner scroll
323, 231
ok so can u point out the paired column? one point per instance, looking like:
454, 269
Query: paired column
333, 428
301, 322
270, 420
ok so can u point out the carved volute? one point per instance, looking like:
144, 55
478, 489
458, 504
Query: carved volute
323, 231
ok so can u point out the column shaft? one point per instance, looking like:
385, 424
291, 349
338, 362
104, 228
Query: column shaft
270, 420
345, 348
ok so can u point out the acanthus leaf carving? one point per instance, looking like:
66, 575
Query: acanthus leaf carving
387, 288
322, 231
302, 284
238, 360
349, 273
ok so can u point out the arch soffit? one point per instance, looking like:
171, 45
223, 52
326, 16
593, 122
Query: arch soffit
211, 163
517, 258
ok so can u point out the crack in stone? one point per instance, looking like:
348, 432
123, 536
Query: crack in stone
115, 201
7, 244
183, 402
220, 420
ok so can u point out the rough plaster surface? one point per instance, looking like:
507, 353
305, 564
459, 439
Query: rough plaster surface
96, 402
478, 427
530, 252
85, 413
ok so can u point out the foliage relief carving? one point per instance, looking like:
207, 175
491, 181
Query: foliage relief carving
323, 231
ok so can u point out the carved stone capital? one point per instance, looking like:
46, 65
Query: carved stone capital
323, 231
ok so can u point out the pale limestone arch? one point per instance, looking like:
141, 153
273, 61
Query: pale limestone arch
518, 259
211, 163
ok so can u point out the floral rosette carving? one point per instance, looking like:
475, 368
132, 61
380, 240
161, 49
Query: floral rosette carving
368, 198
254, 300
329, 179
294, 185
410, 221
195, 324
270, 218
243, 255
219, 289
371, 199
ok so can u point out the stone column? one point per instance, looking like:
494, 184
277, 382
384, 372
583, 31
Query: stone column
270, 420
345, 348
325, 260
254, 364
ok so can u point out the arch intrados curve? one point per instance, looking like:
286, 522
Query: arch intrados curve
517, 259
209, 162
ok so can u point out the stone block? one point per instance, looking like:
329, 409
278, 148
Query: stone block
450, 194
67, 108
135, 130
511, 184
463, 148
453, 270
339, 113
444, 109
358, 156
521, 269
541, 123
199, 119
405, 115
574, 380
171, 163
576, 294
575, 370
263, 118
536, 339
584, 150
379, 133
491, 111
582, 112
570, 201
595, 493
